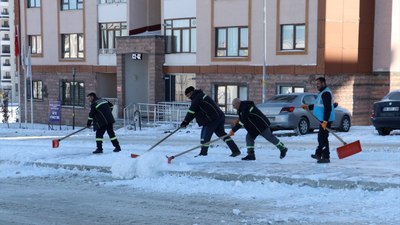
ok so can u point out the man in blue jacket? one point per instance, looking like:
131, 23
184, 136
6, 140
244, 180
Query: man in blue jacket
323, 110
101, 116
210, 117
256, 123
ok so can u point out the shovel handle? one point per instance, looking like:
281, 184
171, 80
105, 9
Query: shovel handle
194, 148
337, 136
169, 135
328, 129
72, 133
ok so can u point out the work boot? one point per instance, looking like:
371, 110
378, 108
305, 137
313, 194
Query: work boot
283, 152
232, 146
202, 153
250, 156
315, 156
282, 148
117, 149
324, 160
98, 151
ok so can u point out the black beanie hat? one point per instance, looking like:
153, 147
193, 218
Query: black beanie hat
189, 89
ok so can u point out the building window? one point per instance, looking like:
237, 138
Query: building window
71, 4
5, 49
72, 46
35, 41
5, 12
5, 24
33, 3
111, 1
7, 75
224, 94
286, 89
293, 37
6, 37
232, 42
67, 93
180, 35
108, 33
6, 62
37, 90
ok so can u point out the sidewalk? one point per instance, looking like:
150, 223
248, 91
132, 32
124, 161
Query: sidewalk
376, 168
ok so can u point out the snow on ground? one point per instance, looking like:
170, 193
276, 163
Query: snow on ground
296, 181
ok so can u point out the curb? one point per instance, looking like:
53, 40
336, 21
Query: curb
332, 184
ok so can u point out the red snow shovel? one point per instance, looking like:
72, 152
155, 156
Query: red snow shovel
347, 149
56, 143
165, 138
170, 158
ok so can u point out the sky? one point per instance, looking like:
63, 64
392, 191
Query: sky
296, 182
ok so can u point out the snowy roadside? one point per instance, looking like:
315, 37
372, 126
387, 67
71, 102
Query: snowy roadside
376, 168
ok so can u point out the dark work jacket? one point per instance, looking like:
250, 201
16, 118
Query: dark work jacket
251, 118
203, 108
100, 113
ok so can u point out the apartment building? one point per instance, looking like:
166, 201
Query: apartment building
8, 77
253, 49
73, 45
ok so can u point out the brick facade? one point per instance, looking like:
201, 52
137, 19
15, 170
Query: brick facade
154, 47
51, 76
355, 92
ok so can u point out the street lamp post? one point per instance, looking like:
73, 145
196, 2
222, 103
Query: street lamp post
73, 98
264, 71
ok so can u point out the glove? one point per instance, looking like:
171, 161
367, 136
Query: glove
231, 133
88, 124
305, 107
184, 124
324, 124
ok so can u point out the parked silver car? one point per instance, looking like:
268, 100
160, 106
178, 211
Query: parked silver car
285, 113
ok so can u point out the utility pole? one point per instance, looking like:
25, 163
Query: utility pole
73, 98
264, 71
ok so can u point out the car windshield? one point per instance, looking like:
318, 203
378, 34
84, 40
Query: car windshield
392, 96
282, 98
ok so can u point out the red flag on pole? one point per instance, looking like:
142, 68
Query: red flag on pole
16, 42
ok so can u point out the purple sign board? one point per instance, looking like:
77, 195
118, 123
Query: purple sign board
54, 112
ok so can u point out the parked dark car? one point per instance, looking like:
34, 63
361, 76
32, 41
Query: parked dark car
386, 113
285, 113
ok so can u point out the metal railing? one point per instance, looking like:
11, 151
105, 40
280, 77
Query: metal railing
110, 1
155, 114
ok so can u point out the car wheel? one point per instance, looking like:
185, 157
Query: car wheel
302, 127
383, 131
345, 124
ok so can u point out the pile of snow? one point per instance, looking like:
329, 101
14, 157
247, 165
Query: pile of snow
146, 165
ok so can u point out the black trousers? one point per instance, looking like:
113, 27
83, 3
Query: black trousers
110, 131
267, 134
323, 142
217, 127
